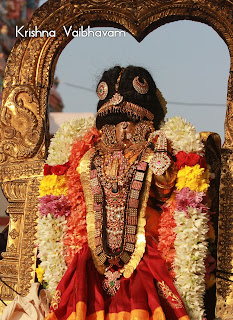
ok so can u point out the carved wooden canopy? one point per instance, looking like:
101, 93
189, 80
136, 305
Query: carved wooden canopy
24, 125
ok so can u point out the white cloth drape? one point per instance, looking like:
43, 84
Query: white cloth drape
30, 307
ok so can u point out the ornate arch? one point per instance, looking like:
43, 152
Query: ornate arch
24, 125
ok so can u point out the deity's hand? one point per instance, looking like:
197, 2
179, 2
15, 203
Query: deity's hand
164, 183
163, 166
168, 178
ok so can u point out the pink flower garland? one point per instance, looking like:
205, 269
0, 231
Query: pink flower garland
189, 198
56, 205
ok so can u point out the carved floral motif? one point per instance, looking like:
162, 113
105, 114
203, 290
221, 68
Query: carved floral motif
14, 234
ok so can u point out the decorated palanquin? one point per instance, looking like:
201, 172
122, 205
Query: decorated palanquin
125, 228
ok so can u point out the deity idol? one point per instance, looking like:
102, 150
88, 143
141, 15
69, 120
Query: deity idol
126, 175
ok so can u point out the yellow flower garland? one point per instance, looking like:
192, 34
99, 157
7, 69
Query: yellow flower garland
40, 273
195, 178
53, 184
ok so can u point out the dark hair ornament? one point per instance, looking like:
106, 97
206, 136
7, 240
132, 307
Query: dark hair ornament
102, 90
140, 87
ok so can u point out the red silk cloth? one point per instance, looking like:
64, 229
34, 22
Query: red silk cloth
148, 294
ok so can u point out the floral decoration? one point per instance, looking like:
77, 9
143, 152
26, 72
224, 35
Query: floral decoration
183, 136
195, 178
184, 225
189, 219
51, 231
189, 159
167, 234
61, 143
53, 184
59, 169
76, 235
189, 263
56, 204
39, 273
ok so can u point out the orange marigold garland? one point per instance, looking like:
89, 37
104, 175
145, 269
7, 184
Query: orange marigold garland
76, 235
167, 235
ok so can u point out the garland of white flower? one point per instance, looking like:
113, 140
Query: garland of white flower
191, 250
51, 230
189, 260
183, 136
61, 143
191, 228
50, 235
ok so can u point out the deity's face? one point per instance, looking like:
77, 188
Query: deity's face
125, 132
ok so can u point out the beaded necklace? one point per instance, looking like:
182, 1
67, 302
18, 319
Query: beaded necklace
115, 191
124, 261
117, 173
116, 211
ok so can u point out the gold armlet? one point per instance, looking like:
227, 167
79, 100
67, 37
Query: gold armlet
167, 186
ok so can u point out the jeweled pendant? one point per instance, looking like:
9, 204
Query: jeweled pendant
116, 99
112, 282
159, 163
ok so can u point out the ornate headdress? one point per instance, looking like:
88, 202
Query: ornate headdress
133, 94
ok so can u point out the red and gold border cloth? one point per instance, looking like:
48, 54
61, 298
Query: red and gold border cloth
149, 294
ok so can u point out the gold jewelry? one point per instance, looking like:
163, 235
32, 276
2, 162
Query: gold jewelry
141, 88
118, 79
102, 90
142, 130
109, 135
116, 99
94, 215
124, 124
160, 161
136, 137
121, 207
131, 109
161, 186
